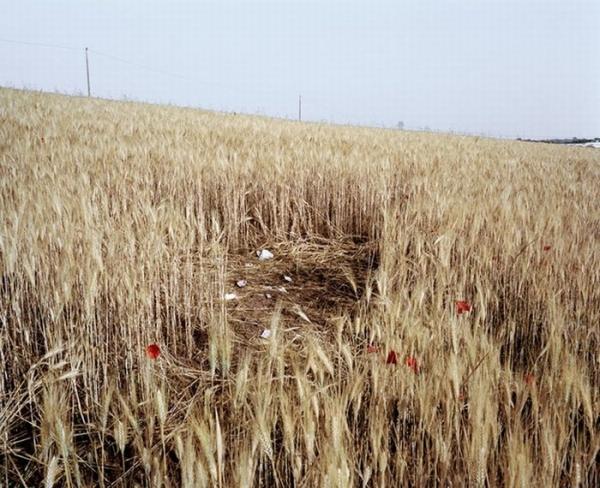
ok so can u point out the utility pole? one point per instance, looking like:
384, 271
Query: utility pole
87, 70
300, 108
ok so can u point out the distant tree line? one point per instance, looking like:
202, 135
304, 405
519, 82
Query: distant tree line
573, 140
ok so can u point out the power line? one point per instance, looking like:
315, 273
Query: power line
213, 84
121, 60
39, 44
142, 66
173, 75
100, 53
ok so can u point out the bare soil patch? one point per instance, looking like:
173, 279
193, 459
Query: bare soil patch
308, 282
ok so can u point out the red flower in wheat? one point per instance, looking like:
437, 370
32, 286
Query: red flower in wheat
153, 351
412, 363
392, 357
462, 306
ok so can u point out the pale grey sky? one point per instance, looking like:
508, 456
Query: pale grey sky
526, 68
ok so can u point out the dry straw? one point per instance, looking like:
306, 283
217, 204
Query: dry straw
123, 225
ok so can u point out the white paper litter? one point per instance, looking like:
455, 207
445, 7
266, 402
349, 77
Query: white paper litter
241, 283
264, 254
268, 295
266, 333
288, 278
230, 296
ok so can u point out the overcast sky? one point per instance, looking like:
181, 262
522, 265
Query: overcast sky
526, 68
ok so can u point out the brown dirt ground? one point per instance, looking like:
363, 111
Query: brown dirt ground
329, 279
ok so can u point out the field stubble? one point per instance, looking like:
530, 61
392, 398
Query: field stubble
124, 225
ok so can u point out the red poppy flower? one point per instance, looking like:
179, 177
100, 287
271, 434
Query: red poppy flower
462, 306
529, 379
372, 349
392, 358
547, 247
153, 351
412, 363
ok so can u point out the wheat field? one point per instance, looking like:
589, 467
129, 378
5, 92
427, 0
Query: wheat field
433, 303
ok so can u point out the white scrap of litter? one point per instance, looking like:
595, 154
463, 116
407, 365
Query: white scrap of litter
268, 295
288, 278
264, 254
266, 333
241, 283
230, 296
